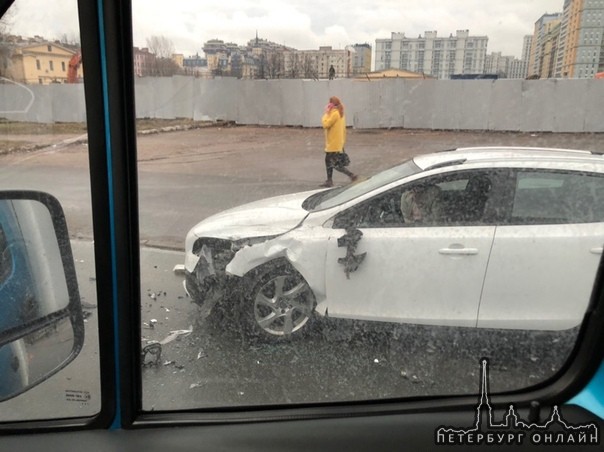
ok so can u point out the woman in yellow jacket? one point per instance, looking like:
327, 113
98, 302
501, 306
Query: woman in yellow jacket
334, 124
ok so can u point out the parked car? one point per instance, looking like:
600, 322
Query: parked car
491, 248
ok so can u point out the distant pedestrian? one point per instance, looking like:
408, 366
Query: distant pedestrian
332, 72
334, 124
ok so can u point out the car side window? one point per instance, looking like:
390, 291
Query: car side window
453, 199
547, 197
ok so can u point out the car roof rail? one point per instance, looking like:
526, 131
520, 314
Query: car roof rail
445, 164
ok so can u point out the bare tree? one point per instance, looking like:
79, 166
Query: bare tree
70, 40
163, 49
309, 68
6, 50
295, 66
275, 65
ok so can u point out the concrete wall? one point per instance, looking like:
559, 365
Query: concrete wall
512, 105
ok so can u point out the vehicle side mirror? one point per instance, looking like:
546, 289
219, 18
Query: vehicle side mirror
41, 322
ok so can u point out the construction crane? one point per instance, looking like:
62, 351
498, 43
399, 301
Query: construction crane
72, 70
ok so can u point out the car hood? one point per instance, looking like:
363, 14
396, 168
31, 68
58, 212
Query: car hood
266, 217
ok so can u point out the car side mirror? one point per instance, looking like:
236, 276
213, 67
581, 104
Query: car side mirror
41, 322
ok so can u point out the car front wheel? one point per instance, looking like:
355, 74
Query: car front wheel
282, 303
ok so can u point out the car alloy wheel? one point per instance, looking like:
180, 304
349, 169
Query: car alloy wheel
282, 303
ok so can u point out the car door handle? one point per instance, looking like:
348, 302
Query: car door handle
596, 250
458, 251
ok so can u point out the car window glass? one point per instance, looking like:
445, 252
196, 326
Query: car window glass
453, 199
268, 280
43, 147
557, 198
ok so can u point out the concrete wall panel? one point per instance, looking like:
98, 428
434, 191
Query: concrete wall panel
475, 102
448, 104
515, 105
316, 96
592, 107
41, 110
68, 103
570, 99
363, 107
538, 104
143, 96
291, 101
183, 91
422, 102
16, 101
505, 111
217, 100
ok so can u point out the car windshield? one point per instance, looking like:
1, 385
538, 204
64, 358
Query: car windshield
340, 195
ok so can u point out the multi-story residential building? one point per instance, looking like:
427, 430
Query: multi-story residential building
438, 57
195, 65
144, 62
499, 64
518, 69
581, 43
361, 58
218, 55
549, 50
317, 63
542, 44
527, 42
40, 62
265, 59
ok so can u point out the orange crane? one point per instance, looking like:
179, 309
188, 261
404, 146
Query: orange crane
74, 65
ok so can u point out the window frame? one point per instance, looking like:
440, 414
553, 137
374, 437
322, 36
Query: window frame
106, 34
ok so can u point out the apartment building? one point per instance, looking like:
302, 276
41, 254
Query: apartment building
518, 69
317, 63
546, 29
144, 62
581, 42
40, 62
432, 55
361, 59
499, 64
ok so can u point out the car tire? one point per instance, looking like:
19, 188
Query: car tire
280, 305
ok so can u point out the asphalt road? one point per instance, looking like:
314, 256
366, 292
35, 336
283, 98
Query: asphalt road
186, 176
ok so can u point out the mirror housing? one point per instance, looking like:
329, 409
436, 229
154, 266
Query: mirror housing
41, 322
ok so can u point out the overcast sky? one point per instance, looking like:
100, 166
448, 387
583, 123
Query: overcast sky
302, 24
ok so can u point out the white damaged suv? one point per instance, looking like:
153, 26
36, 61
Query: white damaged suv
496, 237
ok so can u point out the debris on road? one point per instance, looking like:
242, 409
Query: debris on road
151, 354
174, 334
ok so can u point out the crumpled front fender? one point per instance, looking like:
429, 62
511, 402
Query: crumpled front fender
306, 256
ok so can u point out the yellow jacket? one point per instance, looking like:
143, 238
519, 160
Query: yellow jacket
335, 131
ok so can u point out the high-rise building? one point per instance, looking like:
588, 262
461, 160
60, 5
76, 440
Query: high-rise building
581, 42
499, 64
431, 55
546, 31
518, 69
